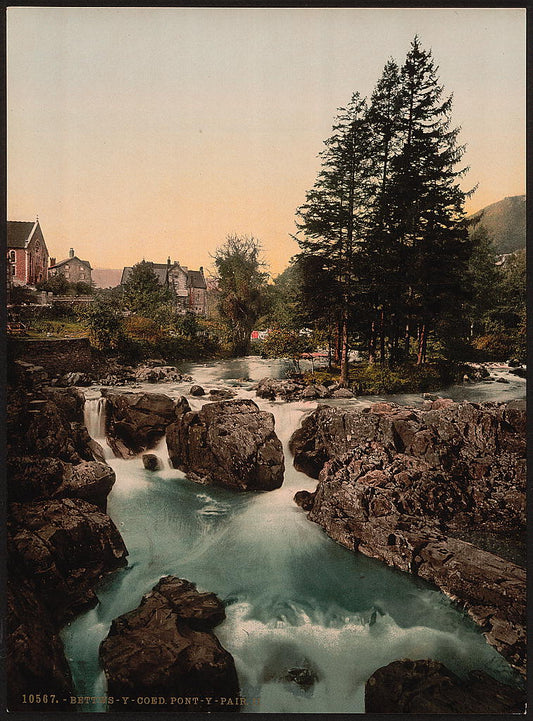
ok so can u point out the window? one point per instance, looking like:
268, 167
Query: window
12, 270
12, 256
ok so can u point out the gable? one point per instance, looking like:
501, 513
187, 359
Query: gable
75, 261
18, 233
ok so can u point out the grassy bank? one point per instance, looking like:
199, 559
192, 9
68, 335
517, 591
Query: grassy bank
373, 379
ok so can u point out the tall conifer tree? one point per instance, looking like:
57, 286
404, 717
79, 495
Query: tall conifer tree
333, 219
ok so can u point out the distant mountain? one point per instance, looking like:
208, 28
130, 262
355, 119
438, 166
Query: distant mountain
506, 223
106, 277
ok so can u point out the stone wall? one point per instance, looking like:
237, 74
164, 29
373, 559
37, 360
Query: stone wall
56, 356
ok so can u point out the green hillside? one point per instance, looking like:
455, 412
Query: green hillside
506, 223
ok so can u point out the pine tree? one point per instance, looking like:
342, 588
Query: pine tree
425, 200
383, 268
333, 219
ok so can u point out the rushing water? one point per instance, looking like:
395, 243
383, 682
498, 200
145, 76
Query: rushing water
294, 598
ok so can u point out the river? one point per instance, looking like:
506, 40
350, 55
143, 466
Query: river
294, 598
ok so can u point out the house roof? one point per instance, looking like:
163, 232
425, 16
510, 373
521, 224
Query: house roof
19, 233
69, 260
196, 279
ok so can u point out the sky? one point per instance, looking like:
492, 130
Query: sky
154, 132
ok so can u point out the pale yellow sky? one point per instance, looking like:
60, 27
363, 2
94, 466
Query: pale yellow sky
153, 132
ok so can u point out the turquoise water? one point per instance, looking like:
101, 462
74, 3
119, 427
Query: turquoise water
294, 598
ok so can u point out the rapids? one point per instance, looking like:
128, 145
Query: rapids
294, 598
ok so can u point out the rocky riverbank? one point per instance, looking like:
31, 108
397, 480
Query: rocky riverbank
405, 485
60, 541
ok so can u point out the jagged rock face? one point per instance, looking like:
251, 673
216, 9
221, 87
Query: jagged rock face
136, 421
31, 478
165, 648
413, 484
470, 459
69, 400
228, 443
35, 662
64, 546
428, 687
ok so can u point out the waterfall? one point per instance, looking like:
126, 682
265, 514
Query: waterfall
94, 417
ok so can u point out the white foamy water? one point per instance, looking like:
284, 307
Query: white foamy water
294, 598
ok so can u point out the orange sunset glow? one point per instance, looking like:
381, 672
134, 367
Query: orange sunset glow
156, 132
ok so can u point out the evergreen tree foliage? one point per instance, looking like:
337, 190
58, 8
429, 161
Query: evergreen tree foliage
332, 222
385, 220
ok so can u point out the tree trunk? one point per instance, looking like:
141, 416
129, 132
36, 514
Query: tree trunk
382, 337
407, 340
422, 345
338, 336
372, 344
344, 350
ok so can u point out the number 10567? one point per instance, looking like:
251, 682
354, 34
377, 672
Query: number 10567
38, 698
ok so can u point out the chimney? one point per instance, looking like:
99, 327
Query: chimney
71, 253
201, 270
52, 262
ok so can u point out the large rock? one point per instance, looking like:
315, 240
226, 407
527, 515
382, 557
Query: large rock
428, 687
35, 661
65, 546
228, 443
291, 389
158, 374
471, 457
70, 401
136, 421
408, 487
31, 478
165, 649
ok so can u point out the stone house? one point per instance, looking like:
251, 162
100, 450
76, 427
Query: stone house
73, 268
27, 254
188, 286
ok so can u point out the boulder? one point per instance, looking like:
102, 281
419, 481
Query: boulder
65, 546
157, 374
304, 499
136, 421
287, 389
222, 393
197, 390
428, 687
166, 648
89, 480
76, 378
342, 393
520, 372
152, 462
228, 443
